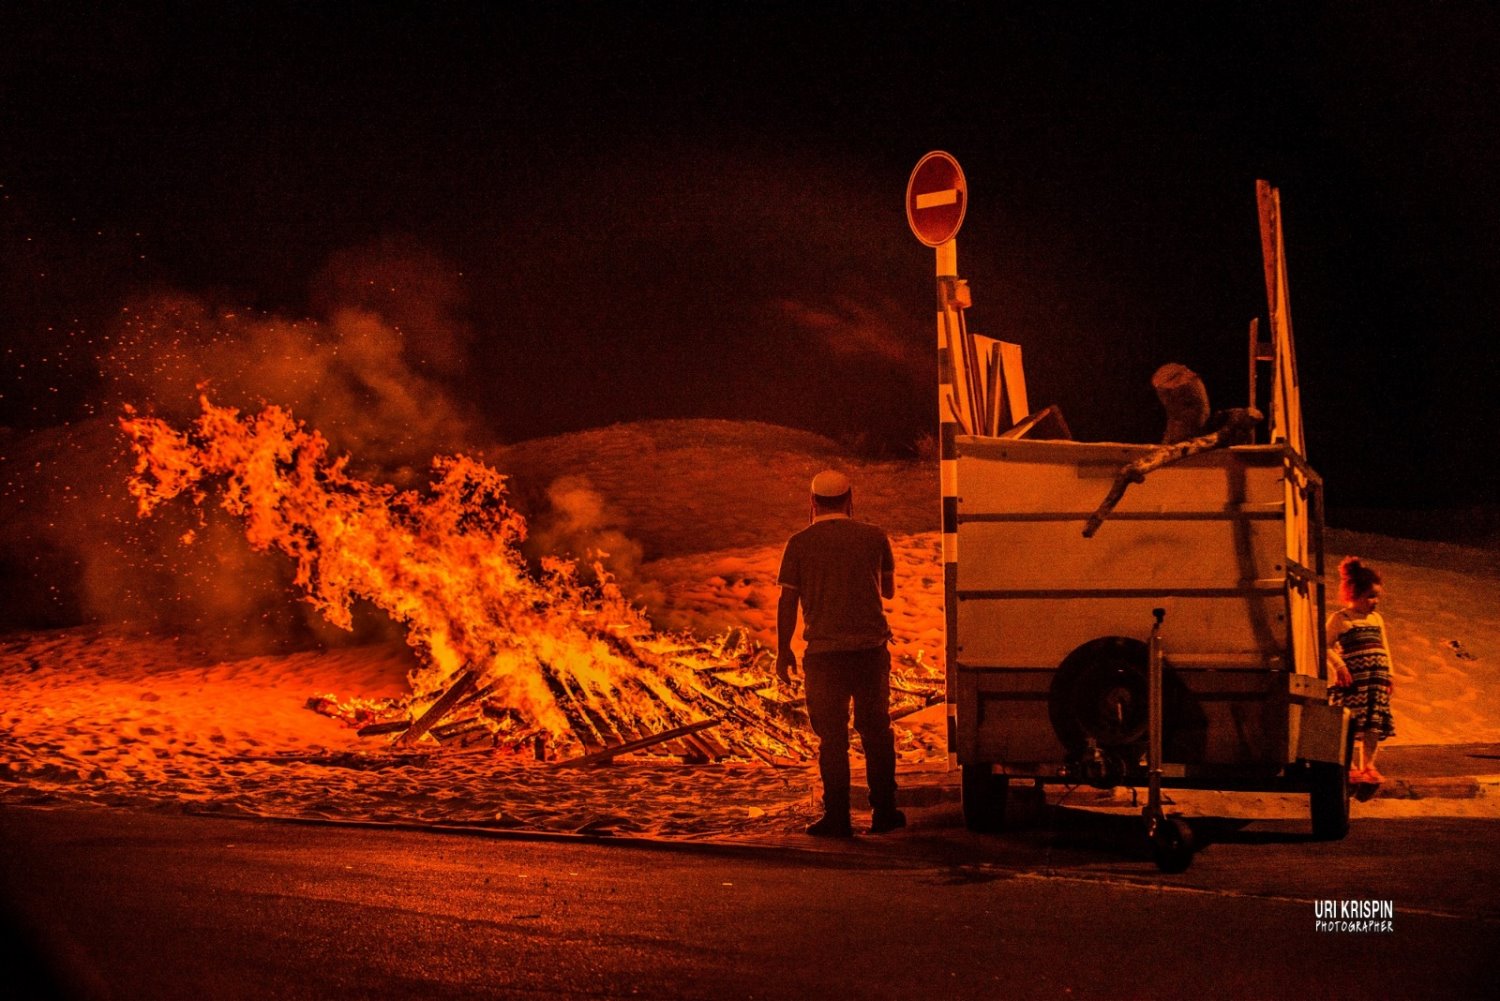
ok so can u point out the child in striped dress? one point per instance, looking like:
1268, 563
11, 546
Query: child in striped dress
1361, 661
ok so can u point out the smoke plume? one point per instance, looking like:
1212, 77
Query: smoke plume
371, 374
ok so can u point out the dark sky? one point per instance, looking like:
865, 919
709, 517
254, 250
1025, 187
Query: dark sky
647, 210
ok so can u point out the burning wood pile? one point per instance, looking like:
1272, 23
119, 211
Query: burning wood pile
527, 661
727, 686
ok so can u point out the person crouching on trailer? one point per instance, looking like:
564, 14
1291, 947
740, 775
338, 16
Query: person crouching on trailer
838, 569
1361, 659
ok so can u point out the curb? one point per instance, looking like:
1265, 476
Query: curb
1416, 787
1441, 787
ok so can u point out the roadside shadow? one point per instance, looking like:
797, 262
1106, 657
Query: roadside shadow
1061, 838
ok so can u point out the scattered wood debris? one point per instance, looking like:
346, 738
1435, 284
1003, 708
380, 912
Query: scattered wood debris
727, 688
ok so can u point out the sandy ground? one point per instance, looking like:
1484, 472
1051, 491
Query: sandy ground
94, 715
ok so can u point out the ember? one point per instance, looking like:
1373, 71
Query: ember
515, 658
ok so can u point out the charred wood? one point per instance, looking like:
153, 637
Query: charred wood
610, 753
439, 709
381, 729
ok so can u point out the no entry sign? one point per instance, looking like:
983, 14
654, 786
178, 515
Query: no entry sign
936, 197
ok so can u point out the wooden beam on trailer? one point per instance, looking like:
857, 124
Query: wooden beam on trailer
1238, 422
1286, 394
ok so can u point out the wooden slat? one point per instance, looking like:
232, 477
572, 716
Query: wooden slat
381, 729
439, 709
1165, 555
610, 753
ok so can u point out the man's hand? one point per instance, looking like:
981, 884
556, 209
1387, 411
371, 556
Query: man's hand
786, 663
786, 625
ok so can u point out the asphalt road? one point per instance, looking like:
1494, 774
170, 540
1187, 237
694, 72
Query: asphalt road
113, 904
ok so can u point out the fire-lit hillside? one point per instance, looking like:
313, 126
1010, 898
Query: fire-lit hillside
679, 487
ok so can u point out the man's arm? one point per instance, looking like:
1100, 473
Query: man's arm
786, 625
887, 572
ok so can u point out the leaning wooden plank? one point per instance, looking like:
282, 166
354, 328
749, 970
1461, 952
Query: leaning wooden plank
1048, 419
711, 749
438, 709
476, 694
1013, 375
609, 753
380, 729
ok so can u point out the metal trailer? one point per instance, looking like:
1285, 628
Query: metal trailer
1052, 637
1052, 629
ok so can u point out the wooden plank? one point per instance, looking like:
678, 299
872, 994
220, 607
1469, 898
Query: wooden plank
959, 400
380, 729
439, 709
610, 753
1043, 475
711, 749
1286, 395
1049, 418
462, 728
1188, 512
996, 382
1171, 554
1013, 375
1040, 632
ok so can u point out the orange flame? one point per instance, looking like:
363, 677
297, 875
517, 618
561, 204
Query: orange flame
579, 662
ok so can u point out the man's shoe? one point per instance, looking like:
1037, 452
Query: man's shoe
831, 827
885, 821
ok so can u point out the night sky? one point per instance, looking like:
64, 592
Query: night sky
579, 214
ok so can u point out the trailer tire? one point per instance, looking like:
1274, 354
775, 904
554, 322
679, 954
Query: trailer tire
1100, 693
1329, 795
984, 796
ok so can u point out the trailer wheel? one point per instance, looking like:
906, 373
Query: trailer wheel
1329, 797
1099, 693
1172, 844
984, 795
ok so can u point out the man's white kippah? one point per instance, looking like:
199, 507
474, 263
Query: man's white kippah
830, 483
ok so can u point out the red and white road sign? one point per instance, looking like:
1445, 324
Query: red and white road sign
936, 197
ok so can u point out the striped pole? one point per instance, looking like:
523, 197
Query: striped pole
947, 327
937, 197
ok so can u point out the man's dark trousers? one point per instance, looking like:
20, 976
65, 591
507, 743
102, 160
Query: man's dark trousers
833, 680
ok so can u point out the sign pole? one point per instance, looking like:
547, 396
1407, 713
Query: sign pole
948, 429
936, 198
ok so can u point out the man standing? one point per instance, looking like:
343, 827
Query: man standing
837, 569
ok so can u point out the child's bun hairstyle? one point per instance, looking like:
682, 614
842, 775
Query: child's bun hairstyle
1355, 578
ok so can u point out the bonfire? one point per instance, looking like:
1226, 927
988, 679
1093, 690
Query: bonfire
534, 660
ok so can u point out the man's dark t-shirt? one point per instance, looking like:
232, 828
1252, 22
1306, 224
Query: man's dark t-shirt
834, 565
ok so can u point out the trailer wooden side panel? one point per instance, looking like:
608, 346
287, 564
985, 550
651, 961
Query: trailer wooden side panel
1053, 477
1218, 540
1039, 632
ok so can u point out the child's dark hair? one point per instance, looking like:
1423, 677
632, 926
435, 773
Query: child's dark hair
1355, 578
